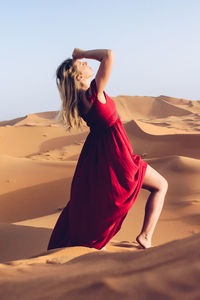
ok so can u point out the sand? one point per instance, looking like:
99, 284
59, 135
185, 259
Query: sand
38, 158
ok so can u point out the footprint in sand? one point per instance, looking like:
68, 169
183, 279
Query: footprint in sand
195, 202
126, 244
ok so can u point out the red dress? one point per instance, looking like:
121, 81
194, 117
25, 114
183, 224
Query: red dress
106, 182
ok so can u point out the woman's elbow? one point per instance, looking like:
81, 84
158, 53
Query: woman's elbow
110, 54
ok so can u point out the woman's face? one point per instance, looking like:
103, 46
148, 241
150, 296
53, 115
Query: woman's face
84, 69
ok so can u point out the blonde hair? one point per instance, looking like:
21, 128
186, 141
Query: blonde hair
70, 94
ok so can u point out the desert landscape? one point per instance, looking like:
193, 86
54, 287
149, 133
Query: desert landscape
38, 158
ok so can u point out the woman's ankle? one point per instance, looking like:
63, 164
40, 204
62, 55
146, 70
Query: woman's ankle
147, 236
144, 240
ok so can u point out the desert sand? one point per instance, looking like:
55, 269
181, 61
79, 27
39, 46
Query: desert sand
38, 158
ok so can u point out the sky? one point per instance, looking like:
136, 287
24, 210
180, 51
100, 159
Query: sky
156, 45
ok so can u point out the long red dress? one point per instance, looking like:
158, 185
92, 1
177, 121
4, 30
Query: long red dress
106, 182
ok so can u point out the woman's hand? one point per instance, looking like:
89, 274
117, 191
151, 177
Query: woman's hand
78, 53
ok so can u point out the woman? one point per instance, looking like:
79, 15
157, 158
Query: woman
108, 175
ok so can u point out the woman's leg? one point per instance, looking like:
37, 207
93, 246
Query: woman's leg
157, 185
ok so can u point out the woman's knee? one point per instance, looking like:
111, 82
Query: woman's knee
164, 185
161, 185
154, 181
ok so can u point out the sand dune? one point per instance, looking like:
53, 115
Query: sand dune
193, 106
38, 158
162, 111
21, 241
169, 271
148, 107
12, 122
29, 188
148, 145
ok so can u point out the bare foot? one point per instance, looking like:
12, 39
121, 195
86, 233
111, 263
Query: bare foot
144, 241
104, 248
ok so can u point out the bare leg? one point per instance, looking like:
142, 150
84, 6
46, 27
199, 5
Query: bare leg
157, 185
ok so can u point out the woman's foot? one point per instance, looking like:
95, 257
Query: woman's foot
104, 248
144, 241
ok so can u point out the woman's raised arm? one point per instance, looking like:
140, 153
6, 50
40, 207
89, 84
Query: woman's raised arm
105, 57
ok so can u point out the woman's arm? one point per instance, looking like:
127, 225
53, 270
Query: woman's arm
105, 57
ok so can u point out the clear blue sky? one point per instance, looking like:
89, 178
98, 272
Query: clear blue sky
156, 45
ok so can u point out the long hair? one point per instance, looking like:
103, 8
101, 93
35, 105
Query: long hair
70, 94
